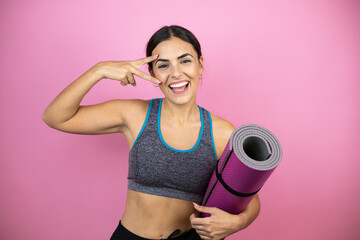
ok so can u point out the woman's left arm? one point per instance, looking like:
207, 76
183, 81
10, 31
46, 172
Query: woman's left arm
250, 213
222, 224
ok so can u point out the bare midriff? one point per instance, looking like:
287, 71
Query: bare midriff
156, 217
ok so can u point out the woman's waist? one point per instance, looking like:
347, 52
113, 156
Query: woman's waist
153, 216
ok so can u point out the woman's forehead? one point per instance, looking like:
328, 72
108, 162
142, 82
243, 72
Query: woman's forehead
173, 48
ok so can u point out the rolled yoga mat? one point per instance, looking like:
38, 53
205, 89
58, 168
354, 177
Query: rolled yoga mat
250, 156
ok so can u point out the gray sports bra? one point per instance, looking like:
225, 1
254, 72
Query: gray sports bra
157, 168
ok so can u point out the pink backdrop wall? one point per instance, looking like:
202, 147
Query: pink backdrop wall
290, 66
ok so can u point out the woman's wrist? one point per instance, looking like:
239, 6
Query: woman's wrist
97, 70
242, 221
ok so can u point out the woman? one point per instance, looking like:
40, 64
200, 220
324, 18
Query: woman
173, 142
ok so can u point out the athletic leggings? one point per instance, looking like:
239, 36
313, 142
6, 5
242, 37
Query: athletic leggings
121, 233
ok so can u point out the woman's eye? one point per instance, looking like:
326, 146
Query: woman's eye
162, 66
186, 61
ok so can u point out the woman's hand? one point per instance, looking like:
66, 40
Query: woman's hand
219, 225
124, 71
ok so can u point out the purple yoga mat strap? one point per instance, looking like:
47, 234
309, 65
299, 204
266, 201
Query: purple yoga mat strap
250, 156
224, 184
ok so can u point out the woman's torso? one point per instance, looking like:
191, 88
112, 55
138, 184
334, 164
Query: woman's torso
153, 216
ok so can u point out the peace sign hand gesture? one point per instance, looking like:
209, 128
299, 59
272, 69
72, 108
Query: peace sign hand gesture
124, 71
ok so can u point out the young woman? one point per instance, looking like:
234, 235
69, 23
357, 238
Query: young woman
173, 142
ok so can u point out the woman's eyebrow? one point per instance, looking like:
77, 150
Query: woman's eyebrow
167, 60
184, 55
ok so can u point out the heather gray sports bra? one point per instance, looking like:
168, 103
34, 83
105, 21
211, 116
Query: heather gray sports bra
159, 169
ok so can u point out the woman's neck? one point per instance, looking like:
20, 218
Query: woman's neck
181, 114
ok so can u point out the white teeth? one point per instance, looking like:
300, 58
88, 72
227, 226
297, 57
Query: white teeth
178, 84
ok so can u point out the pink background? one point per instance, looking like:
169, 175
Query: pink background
290, 66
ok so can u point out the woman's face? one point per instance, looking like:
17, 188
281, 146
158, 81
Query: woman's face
178, 68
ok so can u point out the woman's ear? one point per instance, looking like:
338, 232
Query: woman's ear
201, 65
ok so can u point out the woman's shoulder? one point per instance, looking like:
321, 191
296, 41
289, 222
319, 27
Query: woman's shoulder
135, 105
221, 123
131, 109
222, 130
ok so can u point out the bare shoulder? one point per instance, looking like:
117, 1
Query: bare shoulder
137, 103
131, 110
131, 107
222, 130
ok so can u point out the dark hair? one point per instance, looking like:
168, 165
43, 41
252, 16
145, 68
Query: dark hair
166, 33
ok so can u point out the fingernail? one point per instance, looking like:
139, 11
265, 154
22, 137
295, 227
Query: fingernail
155, 56
196, 205
158, 81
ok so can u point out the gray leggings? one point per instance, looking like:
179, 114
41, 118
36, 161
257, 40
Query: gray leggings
121, 233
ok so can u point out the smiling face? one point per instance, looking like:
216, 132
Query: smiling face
178, 68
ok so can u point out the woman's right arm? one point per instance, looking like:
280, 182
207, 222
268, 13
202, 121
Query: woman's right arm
64, 113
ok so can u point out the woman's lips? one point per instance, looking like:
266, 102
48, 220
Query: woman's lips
178, 83
179, 87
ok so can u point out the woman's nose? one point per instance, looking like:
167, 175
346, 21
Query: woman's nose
176, 71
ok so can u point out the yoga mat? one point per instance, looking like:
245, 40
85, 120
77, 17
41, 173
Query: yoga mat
250, 156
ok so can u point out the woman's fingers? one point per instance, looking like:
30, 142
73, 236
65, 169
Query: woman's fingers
210, 210
145, 76
124, 71
131, 79
139, 62
201, 228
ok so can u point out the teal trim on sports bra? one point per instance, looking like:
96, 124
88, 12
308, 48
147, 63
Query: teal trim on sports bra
212, 136
144, 124
177, 150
